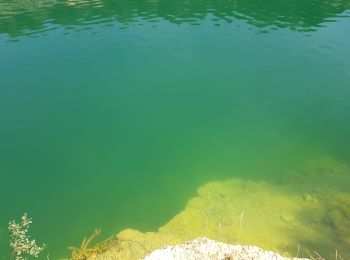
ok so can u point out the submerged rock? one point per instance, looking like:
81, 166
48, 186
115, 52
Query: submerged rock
206, 249
306, 214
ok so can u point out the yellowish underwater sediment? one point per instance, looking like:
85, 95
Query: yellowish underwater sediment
306, 213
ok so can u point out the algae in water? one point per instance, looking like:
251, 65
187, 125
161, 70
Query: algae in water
307, 211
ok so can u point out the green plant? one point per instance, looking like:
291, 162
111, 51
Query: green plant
21, 244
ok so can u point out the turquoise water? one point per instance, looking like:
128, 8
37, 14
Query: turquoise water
113, 113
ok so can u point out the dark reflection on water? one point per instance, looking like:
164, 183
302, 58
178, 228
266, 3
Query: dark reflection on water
23, 17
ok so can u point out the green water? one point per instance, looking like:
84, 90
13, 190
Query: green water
113, 112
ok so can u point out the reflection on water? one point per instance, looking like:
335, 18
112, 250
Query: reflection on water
307, 213
23, 17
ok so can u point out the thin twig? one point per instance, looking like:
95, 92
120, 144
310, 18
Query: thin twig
240, 221
298, 250
336, 254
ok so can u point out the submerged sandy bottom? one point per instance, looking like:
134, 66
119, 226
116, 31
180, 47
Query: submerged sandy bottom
306, 213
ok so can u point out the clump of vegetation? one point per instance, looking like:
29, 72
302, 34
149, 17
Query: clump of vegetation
97, 251
21, 244
85, 251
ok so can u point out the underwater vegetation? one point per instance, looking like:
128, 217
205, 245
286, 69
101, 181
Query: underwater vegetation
305, 214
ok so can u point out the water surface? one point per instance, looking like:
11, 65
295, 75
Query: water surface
113, 113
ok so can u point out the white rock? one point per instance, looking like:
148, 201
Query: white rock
206, 249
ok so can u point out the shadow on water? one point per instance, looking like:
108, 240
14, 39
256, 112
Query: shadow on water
23, 17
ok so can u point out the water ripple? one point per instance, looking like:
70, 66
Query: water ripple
17, 18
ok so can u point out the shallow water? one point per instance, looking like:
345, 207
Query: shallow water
113, 113
305, 213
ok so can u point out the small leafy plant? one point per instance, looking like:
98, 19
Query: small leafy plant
21, 244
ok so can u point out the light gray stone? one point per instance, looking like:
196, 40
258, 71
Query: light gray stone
206, 249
